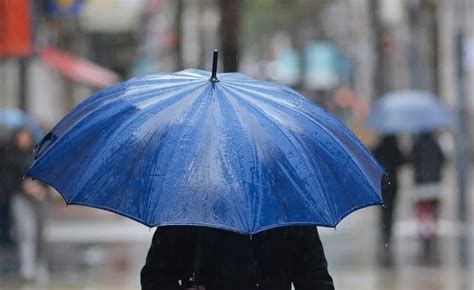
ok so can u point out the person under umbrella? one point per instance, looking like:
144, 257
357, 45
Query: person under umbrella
391, 158
25, 197
428, 160
203, 149
213, 259
5, 201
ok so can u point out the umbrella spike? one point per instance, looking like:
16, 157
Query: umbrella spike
214, 66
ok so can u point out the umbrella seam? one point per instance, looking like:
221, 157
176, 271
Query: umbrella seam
295, 147
121, 91
175, 148
123, 127
296, 94
354, 137
245, 220
355, 208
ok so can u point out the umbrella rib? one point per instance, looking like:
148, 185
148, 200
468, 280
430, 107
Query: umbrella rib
90, 105
173, 154
253, 203
209, 92
285, 134
225, 102
127, 124
314, 121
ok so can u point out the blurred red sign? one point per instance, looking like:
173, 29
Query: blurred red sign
15, 34
77, 69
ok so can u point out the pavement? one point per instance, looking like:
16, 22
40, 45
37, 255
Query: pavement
108, 253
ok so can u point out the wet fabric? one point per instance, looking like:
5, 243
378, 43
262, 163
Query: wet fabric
236, 154
272, 259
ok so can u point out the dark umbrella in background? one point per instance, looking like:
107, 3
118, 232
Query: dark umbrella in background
207, 149
409, 112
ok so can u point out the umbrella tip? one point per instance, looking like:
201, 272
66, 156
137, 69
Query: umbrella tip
214, 66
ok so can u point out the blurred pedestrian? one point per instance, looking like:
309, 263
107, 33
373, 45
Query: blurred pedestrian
428, 160
391, 158
7, 256
26, 196
211, 259
5, 202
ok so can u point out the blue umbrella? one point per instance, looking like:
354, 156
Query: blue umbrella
409, 112
13, 118
223, 151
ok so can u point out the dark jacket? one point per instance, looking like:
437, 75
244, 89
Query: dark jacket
427, 159
14, 163
390, 158
4, 191
229, 261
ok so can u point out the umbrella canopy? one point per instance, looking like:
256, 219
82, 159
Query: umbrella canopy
408, 112
227, 152
13, 118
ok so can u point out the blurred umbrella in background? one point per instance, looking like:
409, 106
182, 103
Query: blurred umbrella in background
409, 112
224, 151
13, 118
77, 69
